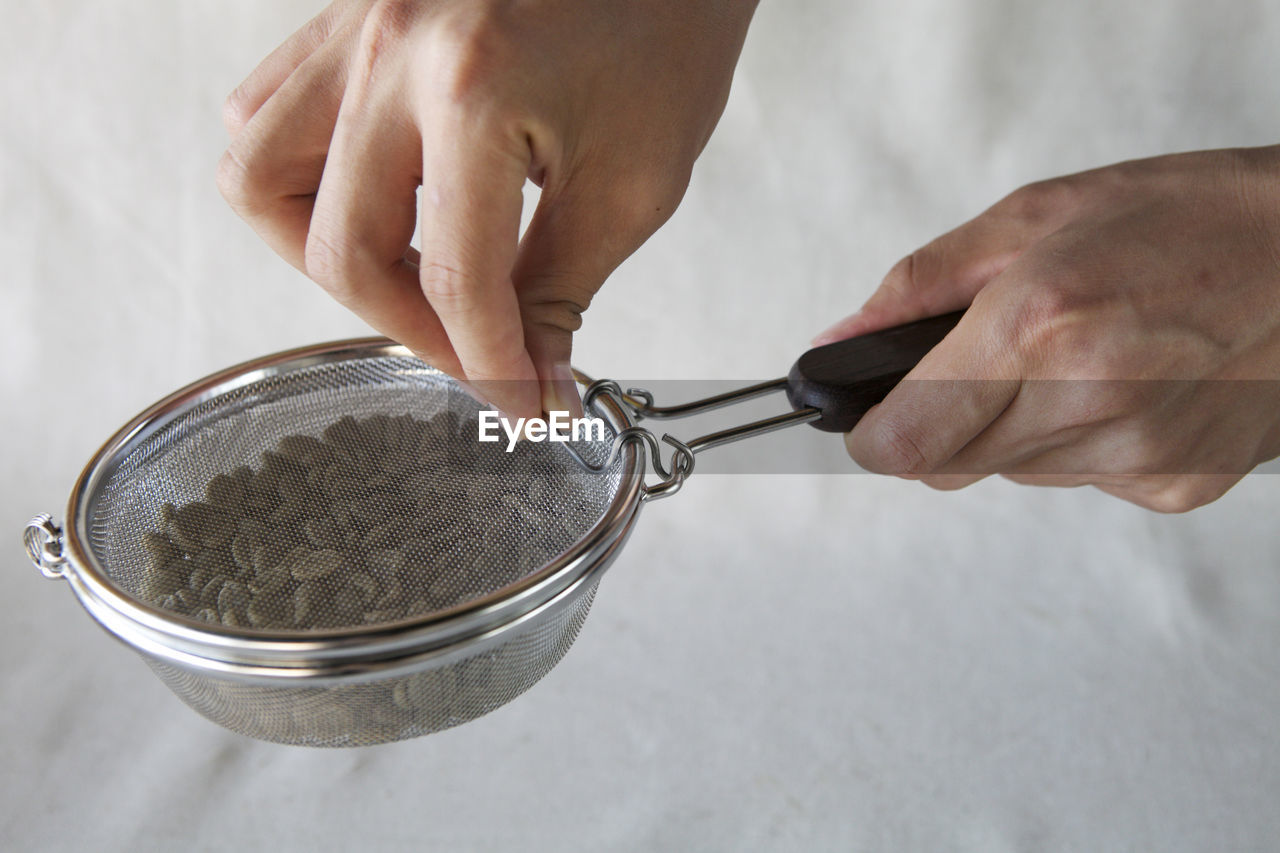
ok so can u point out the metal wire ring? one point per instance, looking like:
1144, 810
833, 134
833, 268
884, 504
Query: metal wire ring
43, 541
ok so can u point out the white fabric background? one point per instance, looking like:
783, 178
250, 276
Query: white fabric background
784, 663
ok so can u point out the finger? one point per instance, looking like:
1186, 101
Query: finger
247, 98
1133, 493
1064, 432
948, 272
959, 388
1173, 494
951, 482
1060, 481
470, 209
940, 277
1047, 429
578, 236
272, 169
554, 285
358, 243
1113, 458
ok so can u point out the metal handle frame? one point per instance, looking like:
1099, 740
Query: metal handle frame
673, 473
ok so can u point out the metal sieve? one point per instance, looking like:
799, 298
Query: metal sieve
313, 548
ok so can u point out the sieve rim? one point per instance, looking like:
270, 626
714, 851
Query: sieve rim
352, 670
186, 642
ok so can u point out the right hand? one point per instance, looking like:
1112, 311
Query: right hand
1124, 333
604, 105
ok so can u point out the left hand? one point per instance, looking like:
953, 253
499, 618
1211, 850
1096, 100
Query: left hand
604, 105
1116, 280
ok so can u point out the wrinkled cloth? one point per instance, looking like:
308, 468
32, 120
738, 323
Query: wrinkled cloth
774, 662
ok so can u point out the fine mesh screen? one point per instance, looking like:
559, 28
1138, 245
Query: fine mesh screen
389, 709
338, 495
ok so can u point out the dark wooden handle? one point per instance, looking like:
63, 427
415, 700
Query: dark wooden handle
847, 378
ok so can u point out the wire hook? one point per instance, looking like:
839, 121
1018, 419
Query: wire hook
640, 403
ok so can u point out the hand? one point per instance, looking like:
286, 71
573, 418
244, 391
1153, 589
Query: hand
604, 105
1153, 287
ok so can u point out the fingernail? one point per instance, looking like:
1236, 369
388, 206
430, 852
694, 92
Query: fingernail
836, 332
561, 393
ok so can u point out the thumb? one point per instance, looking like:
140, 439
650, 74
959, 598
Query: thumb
570, 247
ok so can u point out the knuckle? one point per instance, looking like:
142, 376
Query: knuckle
555, 300
559, 314
1039, 480
1246, 175
331, 263
239, 179
1041, 202
642, 198
905, 280
383, 32
1182, 494
947, 482
1100, 401
901, 274
237, 109
573, 288
499, 365
1140, 450
1104, 400
1047, 324
443, 282
469, 47
894, 446
317, 30
1160, 454
386, 25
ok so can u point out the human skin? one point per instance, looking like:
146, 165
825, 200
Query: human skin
604, 105
1152, 287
